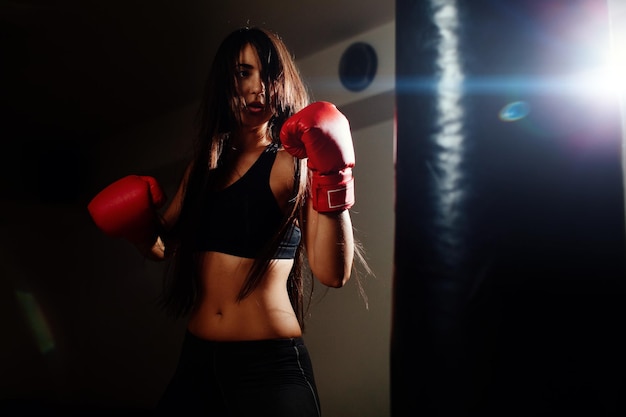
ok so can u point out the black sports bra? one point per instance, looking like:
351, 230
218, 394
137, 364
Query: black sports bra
243, 218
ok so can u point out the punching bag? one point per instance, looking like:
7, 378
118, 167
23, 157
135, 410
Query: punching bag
509, 265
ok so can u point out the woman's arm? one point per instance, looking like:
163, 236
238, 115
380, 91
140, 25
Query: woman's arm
155, 250
321, 133
329, 242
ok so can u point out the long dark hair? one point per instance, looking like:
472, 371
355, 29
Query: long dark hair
218, 117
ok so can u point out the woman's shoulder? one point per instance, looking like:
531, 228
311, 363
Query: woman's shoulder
285, 161
283, 172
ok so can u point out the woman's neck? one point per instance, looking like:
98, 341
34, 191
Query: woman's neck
250, 140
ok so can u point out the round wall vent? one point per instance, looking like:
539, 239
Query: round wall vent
357, 66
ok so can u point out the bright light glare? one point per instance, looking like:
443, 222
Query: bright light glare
616, 68
608, 77
605, 80
617, 53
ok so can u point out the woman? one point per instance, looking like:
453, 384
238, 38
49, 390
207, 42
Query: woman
270, 183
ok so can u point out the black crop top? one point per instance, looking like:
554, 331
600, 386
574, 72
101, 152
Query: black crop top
244, 217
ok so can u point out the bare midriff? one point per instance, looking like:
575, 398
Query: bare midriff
264, 314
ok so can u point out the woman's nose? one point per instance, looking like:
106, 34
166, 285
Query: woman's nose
258, 87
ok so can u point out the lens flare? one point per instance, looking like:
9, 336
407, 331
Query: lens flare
514, 111
35, 318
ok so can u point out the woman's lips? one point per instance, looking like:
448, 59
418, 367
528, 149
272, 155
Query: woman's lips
255, 107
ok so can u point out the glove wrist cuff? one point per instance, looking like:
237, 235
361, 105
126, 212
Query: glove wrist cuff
332, 192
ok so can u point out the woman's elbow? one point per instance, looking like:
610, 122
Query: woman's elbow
153, 252
334, 279
332, 269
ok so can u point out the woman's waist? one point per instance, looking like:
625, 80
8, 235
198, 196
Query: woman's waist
232, 346
252, 318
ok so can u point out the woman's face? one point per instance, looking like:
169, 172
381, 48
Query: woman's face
254, 109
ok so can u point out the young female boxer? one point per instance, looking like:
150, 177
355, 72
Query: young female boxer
265, 199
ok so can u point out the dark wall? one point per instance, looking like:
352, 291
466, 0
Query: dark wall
81, 332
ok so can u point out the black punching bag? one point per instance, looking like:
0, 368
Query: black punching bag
509, 294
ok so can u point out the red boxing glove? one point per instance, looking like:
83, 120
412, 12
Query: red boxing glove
127, 208
321, 133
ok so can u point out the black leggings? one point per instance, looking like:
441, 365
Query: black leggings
247, 378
